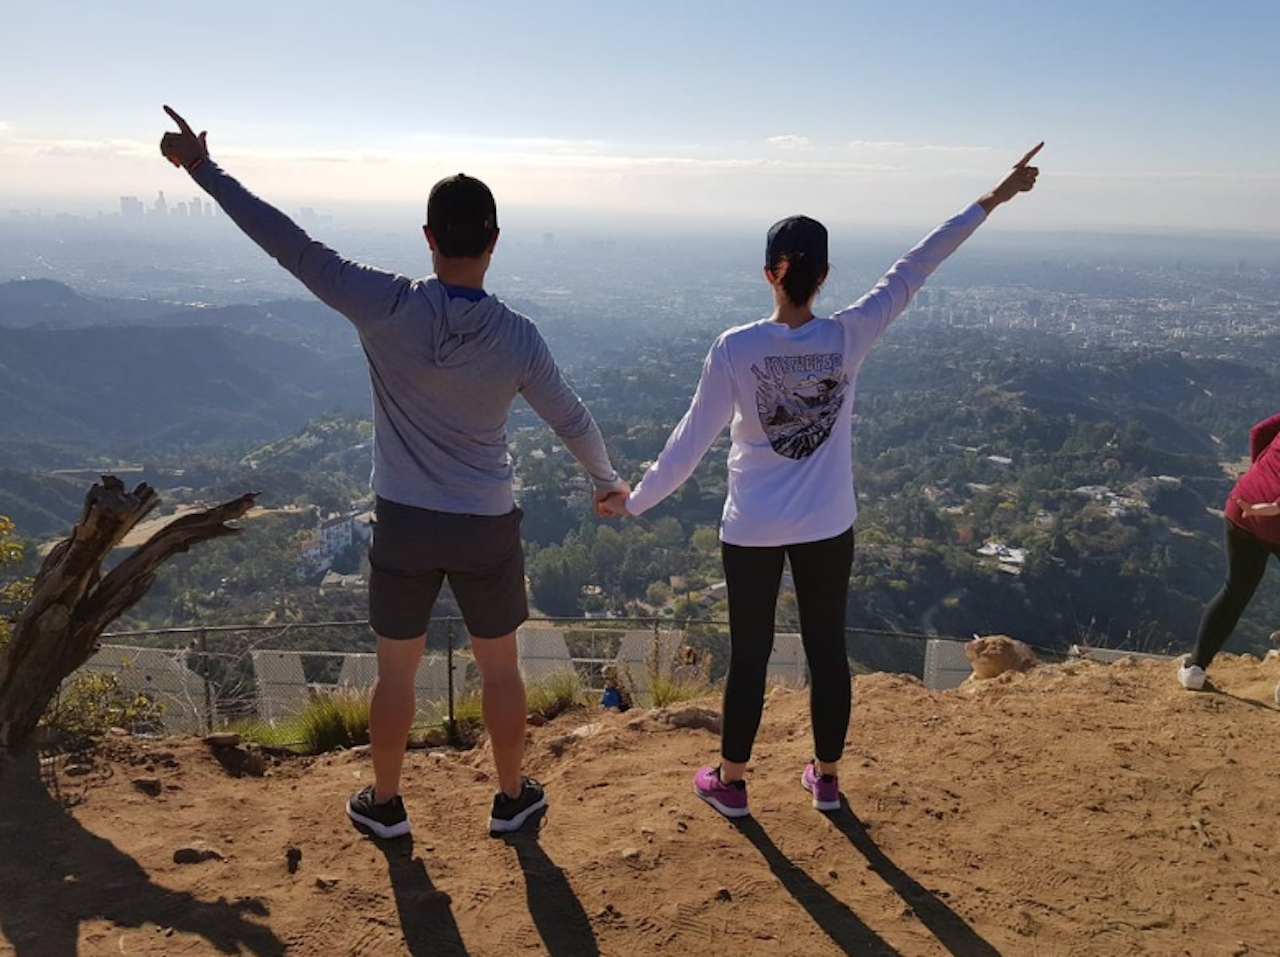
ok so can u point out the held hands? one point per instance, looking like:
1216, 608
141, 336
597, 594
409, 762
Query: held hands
1260, 510
183, 148
1021, 179
610, 504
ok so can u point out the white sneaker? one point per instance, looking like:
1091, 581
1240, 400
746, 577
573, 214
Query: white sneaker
1191, 676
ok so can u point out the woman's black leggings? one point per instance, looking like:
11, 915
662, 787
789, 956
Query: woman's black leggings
752, 575
1246, 561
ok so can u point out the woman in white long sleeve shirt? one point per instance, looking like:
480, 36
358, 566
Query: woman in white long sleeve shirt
784, 385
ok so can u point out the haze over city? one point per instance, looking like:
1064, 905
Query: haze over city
872, 114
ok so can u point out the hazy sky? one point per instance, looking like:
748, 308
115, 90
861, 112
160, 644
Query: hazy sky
1157, 114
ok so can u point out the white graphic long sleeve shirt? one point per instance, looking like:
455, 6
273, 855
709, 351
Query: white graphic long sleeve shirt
787, 396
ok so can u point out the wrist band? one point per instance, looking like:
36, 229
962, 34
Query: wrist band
196, 165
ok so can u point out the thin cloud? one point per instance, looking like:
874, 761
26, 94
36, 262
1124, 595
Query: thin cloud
789, 142
887, 145
90, 149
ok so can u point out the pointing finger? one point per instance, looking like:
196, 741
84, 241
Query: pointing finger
1018, 165
182, 124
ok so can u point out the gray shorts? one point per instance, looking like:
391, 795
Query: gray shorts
415, 549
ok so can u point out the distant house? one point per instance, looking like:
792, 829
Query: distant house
330, 538
1009, 559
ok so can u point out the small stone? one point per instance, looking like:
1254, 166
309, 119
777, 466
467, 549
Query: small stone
324, 882
831, 873
255, 762
722, 894
119, 732
292, 857
149, 786
631, 854
434, 738
222, 739
682, 826
536, 720
78, 770
195, 855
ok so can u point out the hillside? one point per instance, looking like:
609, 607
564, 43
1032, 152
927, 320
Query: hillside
1078, 810
131, 389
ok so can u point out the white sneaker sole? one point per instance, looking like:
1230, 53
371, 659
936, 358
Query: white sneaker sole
1192, 682
723, 808
499, 825
378, 828
820, 805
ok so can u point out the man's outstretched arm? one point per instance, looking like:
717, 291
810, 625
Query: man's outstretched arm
359, 292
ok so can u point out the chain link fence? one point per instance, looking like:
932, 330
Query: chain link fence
211, 677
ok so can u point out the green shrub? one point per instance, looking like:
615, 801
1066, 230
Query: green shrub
553, 695
337, 720
665, 690
92, 703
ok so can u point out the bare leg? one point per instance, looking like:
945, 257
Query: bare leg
391, 712
503, 706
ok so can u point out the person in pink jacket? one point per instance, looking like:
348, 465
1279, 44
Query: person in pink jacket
1253, 535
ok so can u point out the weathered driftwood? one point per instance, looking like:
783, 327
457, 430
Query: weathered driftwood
73, 602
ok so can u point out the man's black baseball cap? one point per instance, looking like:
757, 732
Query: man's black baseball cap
796, 236
462, 215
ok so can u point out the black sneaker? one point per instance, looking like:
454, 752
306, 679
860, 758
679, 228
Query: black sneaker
509, 814
384, 820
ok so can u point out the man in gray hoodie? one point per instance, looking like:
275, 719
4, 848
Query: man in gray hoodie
446, 360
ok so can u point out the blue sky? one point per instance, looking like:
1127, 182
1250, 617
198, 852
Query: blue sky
1156, 114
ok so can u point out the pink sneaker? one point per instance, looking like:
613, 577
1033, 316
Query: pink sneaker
729, 799
825, 788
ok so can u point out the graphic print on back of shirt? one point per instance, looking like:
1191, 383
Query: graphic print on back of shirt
798, 399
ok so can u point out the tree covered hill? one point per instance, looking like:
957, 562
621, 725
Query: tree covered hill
132, 388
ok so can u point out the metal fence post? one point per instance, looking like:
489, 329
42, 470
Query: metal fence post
450, 725
203, 644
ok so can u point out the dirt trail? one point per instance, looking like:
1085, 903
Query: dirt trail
1077, 810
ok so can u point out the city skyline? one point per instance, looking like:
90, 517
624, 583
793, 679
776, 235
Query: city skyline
715, 112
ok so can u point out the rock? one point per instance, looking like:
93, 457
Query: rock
324, 882
222, 739
77, 770
994, 655
255, 762
536, 720
434, 738
722, 894
148, 786
292, 857
631, 854
665, 719
196, 855
119, 732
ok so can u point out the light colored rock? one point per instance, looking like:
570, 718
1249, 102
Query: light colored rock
994, 655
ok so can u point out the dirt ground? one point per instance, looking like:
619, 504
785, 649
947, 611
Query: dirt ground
1080, 809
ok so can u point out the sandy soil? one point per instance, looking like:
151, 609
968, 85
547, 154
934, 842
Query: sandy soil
1077, 810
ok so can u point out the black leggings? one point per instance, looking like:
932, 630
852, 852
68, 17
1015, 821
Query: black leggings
1246, 561
752, 575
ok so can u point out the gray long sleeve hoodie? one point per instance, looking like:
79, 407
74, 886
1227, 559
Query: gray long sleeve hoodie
444, 370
